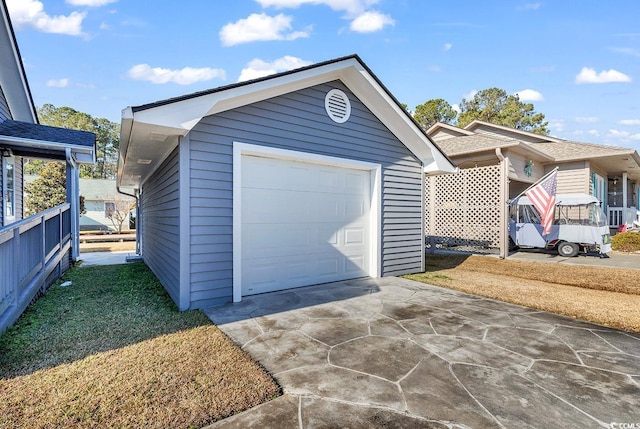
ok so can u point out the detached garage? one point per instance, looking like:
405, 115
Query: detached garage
299, 178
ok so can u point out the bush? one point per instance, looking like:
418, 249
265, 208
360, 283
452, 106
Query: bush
626, 242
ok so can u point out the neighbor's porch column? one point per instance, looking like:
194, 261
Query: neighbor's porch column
624, 198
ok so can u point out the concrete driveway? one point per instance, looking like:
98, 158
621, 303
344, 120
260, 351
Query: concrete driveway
395, 353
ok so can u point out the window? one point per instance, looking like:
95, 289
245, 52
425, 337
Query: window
109, 208
9, 189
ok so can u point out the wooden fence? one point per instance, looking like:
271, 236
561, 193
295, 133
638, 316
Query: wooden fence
34, 252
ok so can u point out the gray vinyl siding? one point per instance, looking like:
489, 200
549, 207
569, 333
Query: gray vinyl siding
160, 225
5, 113
295, 121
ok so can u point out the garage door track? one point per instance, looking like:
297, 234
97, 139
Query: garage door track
391, 352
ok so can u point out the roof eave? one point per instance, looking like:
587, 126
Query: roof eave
175, 118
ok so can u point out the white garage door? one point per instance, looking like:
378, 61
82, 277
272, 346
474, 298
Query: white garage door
302, 224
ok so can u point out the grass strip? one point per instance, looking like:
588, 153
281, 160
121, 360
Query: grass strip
607, 296
113, 351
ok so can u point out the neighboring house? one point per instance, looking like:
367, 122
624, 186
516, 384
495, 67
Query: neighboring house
299, 178
101, 202
496, 158
33, 251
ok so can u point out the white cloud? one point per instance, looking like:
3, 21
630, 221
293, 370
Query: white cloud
557, 125
470, 94
618, 133
434, 69
635, 136
530, 95
259, 27
31, 13
371, 21
185, 76
363, 18
90, 3
447, 47
58, 83
586, 119
627, 51
629, 122
594, 133
353, 7
589, 75
456, 107
260, 68
530, 6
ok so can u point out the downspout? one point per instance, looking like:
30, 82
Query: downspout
503, 224
138, 223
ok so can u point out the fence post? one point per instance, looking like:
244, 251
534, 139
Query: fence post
17, 261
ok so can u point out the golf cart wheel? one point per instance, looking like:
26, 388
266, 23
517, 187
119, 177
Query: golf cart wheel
568, 250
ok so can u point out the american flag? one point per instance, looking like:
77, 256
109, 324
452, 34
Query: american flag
543, 198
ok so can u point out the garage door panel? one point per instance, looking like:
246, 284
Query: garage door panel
302, 224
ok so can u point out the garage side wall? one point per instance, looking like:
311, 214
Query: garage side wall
160, 225
296, 121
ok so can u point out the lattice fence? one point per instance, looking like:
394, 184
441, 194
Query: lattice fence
463, 210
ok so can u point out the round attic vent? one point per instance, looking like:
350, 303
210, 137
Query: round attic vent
337, 105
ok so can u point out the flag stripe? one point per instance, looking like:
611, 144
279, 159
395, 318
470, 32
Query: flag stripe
543, 198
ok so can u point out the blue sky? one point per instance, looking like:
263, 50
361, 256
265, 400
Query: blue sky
578, 62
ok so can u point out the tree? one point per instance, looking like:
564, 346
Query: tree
107, 138
48, 190
118, 210
432, 111
496, 106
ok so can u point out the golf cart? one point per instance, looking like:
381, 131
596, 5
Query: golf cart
579, 224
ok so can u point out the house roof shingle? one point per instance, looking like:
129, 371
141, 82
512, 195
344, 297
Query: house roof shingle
46, 133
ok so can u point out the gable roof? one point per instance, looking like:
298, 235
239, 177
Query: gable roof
475, 124
482, 143
441, 126
13, 79
151, 131
547, 149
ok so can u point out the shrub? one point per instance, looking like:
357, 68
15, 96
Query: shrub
626, 242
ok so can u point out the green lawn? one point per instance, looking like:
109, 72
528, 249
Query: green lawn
112, 350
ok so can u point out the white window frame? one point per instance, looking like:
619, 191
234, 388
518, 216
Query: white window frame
105, 208
6, 161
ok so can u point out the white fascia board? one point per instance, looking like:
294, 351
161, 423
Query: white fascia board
82, 155
392, 116
185, 114
13, 79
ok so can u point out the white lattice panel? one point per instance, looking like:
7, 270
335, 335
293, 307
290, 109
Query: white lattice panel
464, 209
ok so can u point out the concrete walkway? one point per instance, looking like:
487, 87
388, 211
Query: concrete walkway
105, 258
395, 353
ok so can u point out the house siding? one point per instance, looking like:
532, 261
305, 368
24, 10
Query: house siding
494, 132
295, 121
160, 223
5, 113
443, 134
573, 177
517, 164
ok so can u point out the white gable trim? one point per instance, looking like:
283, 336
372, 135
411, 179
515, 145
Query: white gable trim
178, 117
